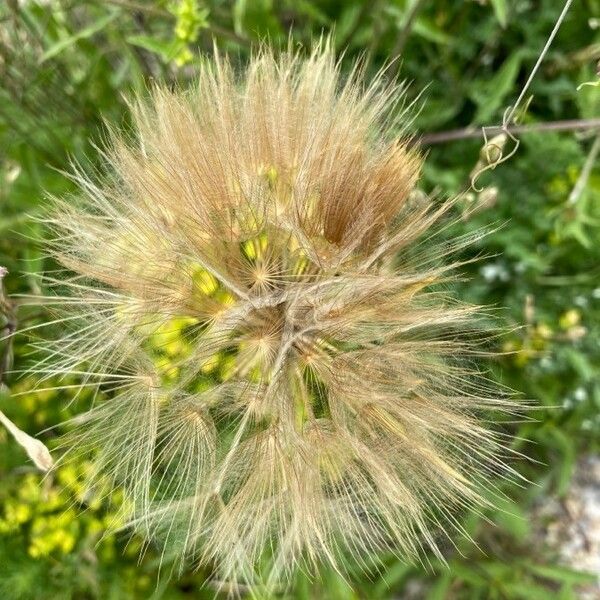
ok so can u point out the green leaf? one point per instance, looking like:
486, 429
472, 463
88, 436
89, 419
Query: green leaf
512, 518
562, 574
490, 95
302, 586
580, 363
588, 95
167, 50
238, 14
86, 32
257, 18
468, 574
438, 112
501, 11
7, 223
523, 590
568, 458
392, 579
338, 588
431, 32
440, 589
567, 593
308, 9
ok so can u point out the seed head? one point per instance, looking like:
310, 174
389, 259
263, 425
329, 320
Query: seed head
252, 290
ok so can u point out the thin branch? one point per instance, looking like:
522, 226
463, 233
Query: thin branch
469, 133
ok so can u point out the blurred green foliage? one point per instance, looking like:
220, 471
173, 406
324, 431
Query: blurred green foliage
66, 65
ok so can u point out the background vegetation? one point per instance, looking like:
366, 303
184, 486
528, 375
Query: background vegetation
65, 65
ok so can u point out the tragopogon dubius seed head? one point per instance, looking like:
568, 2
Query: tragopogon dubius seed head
257, 293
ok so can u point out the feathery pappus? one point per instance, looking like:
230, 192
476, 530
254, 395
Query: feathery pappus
261, 301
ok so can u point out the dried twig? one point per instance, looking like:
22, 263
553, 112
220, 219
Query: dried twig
467, 133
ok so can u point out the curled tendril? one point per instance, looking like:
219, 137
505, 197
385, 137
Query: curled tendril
493, 151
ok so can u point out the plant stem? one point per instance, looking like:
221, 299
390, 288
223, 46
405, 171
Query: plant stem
515, 106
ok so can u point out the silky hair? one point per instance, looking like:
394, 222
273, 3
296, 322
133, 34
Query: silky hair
261, 300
